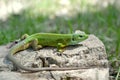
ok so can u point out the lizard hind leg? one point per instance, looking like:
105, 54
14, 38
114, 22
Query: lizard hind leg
24, 36
19, 40
35, 45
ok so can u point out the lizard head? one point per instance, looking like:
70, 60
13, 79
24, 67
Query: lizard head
79, 36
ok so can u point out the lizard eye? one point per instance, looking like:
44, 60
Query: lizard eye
80, 36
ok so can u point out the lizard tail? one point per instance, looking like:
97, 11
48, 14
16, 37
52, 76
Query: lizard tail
20, 66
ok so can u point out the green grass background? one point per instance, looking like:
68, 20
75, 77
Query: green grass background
104, 23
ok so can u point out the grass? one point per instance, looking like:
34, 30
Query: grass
103, 23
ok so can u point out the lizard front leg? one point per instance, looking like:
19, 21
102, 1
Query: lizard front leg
60, 47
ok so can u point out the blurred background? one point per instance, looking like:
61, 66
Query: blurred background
98, 17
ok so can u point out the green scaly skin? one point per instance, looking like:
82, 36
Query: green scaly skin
39, 40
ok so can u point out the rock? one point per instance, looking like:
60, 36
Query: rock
88, 74
90, 53
11, 76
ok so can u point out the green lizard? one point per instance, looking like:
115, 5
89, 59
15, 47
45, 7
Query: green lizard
39, 40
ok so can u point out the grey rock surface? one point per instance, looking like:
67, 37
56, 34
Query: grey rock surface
11, 76
90, 53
